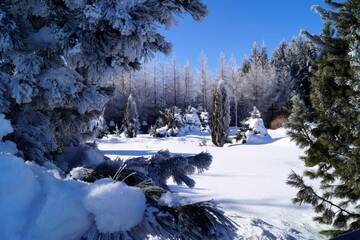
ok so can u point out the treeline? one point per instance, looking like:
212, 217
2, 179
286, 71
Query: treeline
259, 80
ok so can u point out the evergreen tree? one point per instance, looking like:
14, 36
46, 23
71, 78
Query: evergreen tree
57, 60
329, 131
283, 80
131, 120
220, 118
300, 57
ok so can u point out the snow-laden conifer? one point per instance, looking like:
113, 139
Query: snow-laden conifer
220, 118
131, 120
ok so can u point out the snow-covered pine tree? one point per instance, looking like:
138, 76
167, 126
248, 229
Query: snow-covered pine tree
284, 85
329, 131
57, 60
301, 55
220, 117
131, 123
253, 129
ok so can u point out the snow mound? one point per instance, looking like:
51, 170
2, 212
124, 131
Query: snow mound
17, 190
37, 203
116, 206
5, 126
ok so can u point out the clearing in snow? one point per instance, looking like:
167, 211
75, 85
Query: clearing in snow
247, 180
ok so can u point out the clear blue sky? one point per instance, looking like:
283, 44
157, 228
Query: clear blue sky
232, 27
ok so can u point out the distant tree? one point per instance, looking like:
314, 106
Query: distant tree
220, 117
301, 55
187, 84
329, 130
284, 83
204, 79
257, 82
222, 68
131, 123
234, 85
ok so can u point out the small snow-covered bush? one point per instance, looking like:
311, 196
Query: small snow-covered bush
191, 119
253, 129
204, 120
172, 122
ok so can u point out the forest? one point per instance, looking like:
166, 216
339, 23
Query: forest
100, 138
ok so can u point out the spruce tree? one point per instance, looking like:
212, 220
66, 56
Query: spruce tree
329, 130
58, 60
131, 120
220, 118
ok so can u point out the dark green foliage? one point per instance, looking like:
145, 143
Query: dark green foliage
330, 130
159, 168
171, 120
220, 117
241, 133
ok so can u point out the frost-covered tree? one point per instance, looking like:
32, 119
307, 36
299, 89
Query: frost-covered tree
187, 84
301, 55
234, 85
220, 117
58, 59
222, 71
329, 130
131, 119
257, 82
284, 85
204, 81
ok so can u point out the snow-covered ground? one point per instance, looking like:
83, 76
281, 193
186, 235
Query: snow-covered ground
248, 181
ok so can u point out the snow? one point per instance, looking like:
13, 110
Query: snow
78, 173
116, 206
37, 203
247, 180
5, 126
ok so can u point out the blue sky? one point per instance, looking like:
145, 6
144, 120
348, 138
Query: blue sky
232, 27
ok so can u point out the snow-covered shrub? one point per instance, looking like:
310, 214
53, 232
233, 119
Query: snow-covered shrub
169, 123
204, 120
253, 129
169, 219
172, 122
164, 165
191, 120
131, 119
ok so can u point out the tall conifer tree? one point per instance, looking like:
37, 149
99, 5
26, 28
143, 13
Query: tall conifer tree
330, 131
